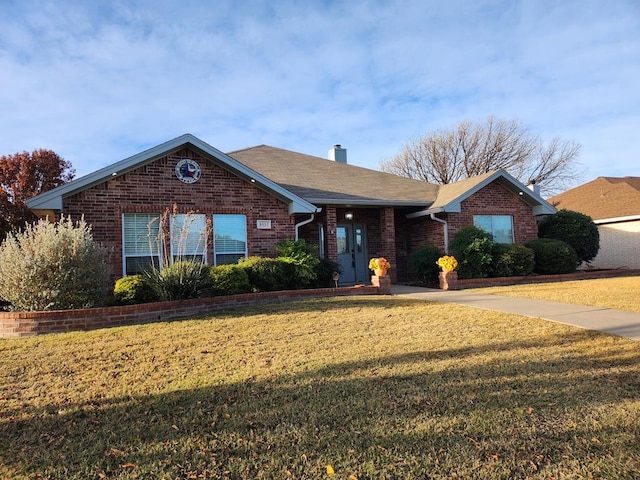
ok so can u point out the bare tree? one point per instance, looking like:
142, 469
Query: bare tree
475, 148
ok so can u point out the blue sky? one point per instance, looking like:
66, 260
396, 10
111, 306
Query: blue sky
99, 81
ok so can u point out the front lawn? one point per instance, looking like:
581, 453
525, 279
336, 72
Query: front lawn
622, 293
375, 387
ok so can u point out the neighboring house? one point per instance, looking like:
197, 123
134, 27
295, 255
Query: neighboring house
614, 205
251, 199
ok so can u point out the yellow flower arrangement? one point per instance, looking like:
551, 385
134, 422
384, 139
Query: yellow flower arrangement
379, 263
447, 263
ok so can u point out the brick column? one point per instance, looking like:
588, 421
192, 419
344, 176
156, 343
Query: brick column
330, 234
388, 240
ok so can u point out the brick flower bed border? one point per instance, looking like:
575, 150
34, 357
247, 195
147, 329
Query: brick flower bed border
26, 324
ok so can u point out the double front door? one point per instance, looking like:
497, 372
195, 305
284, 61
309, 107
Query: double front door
352, 253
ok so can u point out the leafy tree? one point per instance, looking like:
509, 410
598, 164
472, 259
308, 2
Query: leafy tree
25, 175
472, 149
574, 228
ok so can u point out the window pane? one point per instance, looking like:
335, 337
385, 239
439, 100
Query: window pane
499, 226
229, 238
141, 232
343, 244
135, 265
502, 229
228, 258
483, 222
189, 235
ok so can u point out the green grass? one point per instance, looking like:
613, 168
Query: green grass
622, 293
376, 387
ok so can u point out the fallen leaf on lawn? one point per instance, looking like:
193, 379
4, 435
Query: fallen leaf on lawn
330, 470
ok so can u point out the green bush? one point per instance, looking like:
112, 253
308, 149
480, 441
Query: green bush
229, 280
472, 248
422, 262
265, 274
300, 262
512, 260
576, 229
132, 290
552, 256
179, 281
324, 273
54, 266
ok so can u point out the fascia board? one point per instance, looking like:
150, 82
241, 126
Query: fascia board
604, 221
366, 202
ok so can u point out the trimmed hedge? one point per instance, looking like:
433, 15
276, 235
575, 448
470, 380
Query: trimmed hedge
229, 280
422, 262
574, 228
553, 256
132, 290
510, 260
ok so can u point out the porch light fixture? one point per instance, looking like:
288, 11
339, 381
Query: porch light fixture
348, 216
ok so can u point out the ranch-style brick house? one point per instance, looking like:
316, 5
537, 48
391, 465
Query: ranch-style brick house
242, 203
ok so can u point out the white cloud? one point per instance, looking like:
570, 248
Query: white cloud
99, 81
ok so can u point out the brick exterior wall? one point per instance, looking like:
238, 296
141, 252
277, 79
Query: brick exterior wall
494, 199
155, 187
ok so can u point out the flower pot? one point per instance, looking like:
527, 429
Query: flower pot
448, 280
380, 272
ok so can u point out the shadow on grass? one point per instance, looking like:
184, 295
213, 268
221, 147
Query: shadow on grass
417, 415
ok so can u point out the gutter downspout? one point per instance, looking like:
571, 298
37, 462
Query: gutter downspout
446, 231
304, 222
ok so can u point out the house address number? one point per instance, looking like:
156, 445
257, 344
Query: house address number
263, 224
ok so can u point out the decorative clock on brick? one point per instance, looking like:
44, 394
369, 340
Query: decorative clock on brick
188, 171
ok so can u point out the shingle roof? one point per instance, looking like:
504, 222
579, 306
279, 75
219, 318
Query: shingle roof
602, 198
319, 180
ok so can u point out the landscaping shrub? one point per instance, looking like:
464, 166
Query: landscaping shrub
422, 262
265, 274
472, 248
229, 280
512, 260
552, 256
54, 266
300, 262
132, 290
324, 273
576, 229
179, 281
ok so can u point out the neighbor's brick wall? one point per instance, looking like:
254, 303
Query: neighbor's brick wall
619, 246
154, 187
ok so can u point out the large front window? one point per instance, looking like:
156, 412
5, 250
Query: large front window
189, 236
499, 226
229, 238
141, 241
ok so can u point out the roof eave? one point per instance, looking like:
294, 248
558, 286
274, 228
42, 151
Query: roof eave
366, 202
630, 218
53, 199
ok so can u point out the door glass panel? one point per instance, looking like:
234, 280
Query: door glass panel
359, 240
343, 244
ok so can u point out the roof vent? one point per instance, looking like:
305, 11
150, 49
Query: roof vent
338, 154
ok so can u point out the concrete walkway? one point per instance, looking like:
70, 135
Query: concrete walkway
608, 320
